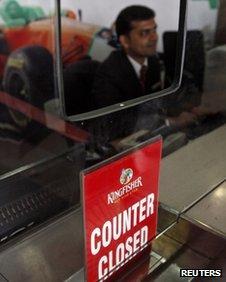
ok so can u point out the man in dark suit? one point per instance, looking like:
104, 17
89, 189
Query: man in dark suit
116, 81
131, 72
134, 70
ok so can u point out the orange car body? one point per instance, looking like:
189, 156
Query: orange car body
76, 38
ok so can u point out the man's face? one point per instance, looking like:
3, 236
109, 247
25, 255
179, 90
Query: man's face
142, 40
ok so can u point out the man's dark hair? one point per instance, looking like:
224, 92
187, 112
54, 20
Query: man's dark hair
123, 24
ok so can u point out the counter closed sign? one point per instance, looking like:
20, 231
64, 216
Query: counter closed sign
120, 200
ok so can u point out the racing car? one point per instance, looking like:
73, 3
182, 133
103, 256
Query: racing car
27, 49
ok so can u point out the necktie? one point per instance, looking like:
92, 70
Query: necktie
143, 72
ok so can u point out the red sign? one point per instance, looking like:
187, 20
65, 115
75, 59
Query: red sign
120, 201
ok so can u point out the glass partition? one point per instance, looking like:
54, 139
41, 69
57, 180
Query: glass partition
41, 154
199, 167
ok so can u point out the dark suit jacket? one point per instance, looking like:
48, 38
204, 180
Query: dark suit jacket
116, 80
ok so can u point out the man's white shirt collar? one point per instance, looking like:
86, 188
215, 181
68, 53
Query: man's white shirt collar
136, 65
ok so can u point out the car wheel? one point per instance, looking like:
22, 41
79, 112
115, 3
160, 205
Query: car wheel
28, 76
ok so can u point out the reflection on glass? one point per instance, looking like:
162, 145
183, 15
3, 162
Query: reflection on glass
38, 193
30, 130
26, 74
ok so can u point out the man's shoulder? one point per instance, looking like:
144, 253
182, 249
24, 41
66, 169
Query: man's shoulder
115, 58
111, 67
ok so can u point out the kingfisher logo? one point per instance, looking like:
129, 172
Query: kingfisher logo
126, 176
129, 186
